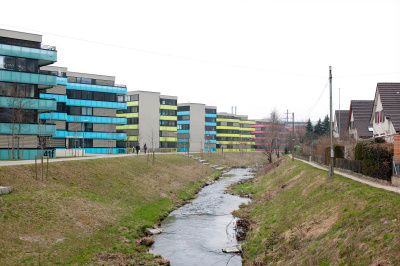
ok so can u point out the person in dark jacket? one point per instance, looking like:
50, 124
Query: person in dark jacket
145, 148
137, 149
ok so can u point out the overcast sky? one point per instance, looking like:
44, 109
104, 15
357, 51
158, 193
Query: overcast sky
256, 55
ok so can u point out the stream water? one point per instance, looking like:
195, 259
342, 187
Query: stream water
196, 233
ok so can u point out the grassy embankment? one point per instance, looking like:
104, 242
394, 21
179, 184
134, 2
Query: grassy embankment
298, 217
91, 211
234, 159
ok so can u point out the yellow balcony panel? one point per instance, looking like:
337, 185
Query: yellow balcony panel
134, 103
128, 115
247, 129
248, 136
167, 117
132, 138
248, 122
169, 139
228, 142
128, 127
168, 107
228, 135
164, 128
228, 120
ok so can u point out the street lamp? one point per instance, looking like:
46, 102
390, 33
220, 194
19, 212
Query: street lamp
83, 137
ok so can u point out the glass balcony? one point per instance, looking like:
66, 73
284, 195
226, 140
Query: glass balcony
44, 56
28, 129
43, 81
99, 88
25, 103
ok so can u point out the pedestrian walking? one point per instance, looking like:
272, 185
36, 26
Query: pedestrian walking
145, 148
137, 149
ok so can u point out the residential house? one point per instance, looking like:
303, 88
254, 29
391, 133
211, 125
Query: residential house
359, 126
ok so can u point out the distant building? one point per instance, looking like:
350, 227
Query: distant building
151, 120
235, 133
86, 112
340, 122
21, 57
196, 127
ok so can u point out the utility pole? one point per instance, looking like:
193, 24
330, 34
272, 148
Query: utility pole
330, 173
293, 136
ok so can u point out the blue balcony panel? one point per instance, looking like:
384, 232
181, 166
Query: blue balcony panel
211, 141
211, 115
43, 81
54, 116
62, 81
99, 104
99, 88
183, 122
183, 131
28, 129
26, 103
182, 149
45, 57
210, 149
27, 153
211, 132
183, 113
59, 98
96, 119
90, 135
183, 140
211, 124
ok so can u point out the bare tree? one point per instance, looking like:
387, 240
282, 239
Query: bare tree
272, 132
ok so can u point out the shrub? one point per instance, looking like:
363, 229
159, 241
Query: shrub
377, 159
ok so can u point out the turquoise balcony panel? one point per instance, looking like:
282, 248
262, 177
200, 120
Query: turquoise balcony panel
28, 129
89, 135
211, 124
105, 150
62, 81
183, 122
211, 132
183, 141
25, 103
99, 88
45, 57
183, 113
27, 153
210, 149
59, 98
96, 119
100, 104
183, 131
54, 116
42, 81
211, 115
211, 141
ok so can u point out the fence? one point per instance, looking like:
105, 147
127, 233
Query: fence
355, 166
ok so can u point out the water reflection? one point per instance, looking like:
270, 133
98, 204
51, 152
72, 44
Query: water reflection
196, 233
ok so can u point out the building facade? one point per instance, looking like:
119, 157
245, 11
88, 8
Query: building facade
196, 127
86, 117
235, 133
22, 134
151, 120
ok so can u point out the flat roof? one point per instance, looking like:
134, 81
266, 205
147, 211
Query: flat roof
21, 35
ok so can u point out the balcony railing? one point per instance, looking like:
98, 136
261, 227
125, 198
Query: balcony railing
120, 85
48, 47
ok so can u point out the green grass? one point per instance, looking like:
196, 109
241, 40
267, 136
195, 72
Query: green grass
300, 216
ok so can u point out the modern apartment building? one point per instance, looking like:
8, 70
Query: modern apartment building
22, 135
235, 132
264, 130
197, 127
86, 112
151, 120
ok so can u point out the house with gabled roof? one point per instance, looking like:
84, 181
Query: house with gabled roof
359, 125
340, 122
385, 117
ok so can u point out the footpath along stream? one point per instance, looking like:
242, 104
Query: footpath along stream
196, 233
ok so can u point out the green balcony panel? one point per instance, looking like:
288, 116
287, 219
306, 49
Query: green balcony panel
24, 103
43, 81
128, 115
167, 117
168, 107
45, 57
127, 127
135, 103
165, 128
28, 129
169, 139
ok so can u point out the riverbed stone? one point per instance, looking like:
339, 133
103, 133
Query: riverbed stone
234, 249
153, 231
5, 190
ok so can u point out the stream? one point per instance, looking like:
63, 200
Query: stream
196, 233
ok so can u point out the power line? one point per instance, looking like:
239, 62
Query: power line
169, 55
315, 104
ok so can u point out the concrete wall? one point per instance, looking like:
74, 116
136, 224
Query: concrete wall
149, 118
197, 126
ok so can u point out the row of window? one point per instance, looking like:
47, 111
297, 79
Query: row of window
168, 102
92, 95
127, 98
53, 73
211, 111
183, 127
78, 110
77, 143
227, 131
168, 112
379, 117
210, 119
18, 90
132, 121
18, 64
21, 116
168, 123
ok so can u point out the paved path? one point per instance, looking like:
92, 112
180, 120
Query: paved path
355, 177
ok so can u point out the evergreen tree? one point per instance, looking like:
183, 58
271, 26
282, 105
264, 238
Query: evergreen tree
309, 127
326, 125
318, 130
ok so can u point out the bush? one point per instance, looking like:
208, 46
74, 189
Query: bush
338, 151
377, 159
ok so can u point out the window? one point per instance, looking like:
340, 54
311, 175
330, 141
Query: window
87, 110
84, 80
88, 127
61, 108
132, 121
183, 108
74, 110
9, 63
211, 111
21, 64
